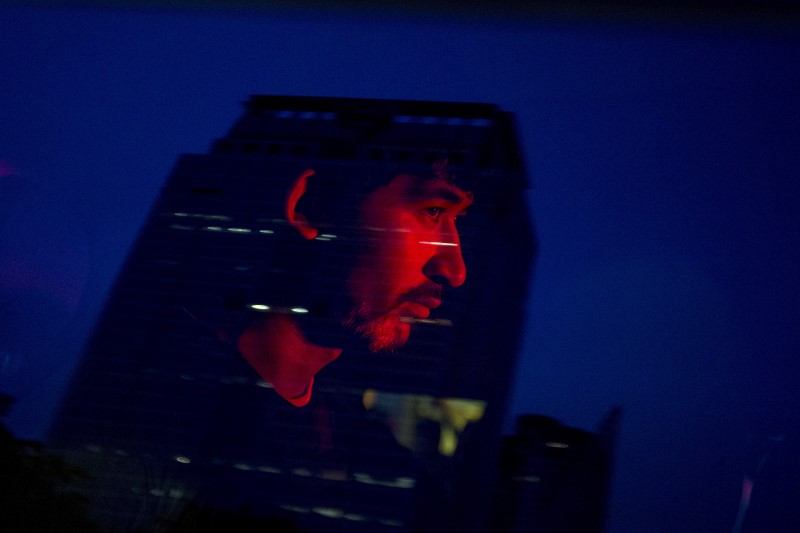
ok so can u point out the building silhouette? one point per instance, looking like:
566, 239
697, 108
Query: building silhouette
554, 478
177, 432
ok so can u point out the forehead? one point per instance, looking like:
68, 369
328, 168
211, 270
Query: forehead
409, 187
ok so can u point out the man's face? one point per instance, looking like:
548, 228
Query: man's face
413, 249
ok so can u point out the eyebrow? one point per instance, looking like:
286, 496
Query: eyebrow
443, 191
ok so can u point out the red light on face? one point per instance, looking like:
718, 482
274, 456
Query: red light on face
400, 275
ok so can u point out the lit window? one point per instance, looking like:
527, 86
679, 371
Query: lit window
295, 508
330, 512
435, 243
334, 475
404, 482
364, 478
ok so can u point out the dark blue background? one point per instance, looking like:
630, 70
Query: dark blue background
664, 157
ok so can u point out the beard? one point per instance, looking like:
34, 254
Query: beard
383, 332
389, 330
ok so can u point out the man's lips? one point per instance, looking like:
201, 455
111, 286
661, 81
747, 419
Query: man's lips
420, 307
431, 302
417, 303
413, 311
429, 295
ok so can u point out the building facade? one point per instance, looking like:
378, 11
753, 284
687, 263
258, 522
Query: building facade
555, 478
176, 431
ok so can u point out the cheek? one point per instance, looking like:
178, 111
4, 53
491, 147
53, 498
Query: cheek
392, 266
402, 266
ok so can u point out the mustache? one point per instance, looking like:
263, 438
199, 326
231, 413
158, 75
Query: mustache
427, 290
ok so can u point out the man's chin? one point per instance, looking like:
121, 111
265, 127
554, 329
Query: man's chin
384, 334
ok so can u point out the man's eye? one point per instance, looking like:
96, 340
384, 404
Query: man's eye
434, 212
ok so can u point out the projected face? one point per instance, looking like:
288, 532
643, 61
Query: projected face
413, 250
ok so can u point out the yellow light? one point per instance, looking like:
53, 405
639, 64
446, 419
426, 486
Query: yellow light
448, 441
370, 398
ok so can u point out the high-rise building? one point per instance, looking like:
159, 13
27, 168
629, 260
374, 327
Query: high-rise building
173, 426
555, 478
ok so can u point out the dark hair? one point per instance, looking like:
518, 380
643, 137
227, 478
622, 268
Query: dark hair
354, 146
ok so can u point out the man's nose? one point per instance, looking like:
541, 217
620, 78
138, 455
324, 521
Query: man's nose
447, 264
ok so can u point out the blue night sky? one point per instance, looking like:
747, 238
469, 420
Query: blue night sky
664, 159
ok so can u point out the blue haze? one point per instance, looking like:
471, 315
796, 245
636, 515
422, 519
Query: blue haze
664, 159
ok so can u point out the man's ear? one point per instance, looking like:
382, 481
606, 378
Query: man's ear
293, 216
